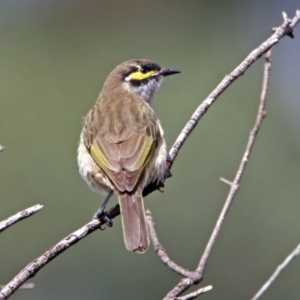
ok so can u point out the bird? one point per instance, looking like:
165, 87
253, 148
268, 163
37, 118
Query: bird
122, 147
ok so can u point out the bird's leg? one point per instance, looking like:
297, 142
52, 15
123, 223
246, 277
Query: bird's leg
101, 214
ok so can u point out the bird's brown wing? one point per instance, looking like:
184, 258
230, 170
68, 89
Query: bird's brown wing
123, 161
122, 152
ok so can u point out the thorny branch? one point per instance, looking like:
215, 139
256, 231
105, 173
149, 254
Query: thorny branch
31, 269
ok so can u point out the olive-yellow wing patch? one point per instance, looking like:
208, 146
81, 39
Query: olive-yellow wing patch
123, 161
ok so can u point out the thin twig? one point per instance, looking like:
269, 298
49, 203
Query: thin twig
234, 186
20, 216
196, 293
25, 286
161, 252
277, 272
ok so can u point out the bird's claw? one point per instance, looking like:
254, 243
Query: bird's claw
104, 218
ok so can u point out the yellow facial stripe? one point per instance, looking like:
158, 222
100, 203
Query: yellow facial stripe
139, 76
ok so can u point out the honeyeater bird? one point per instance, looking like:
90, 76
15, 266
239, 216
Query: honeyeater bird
122, 148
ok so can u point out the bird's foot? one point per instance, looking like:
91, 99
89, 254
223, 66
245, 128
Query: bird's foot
102, 215
104, 218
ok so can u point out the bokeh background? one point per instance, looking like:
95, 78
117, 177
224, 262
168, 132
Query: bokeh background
54, 57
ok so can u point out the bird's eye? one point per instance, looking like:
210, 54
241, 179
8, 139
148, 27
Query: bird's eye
144, 70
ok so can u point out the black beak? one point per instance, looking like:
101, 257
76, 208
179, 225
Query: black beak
167, 72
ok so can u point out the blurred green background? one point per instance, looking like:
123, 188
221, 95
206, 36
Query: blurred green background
54, 57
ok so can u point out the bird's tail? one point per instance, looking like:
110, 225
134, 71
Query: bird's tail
135, 229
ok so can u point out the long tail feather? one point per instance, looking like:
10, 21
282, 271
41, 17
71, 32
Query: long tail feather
135, 229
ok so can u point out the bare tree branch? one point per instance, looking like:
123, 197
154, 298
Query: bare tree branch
277, 272
20, 216
285, 29
161, 252
234, 186
31, 269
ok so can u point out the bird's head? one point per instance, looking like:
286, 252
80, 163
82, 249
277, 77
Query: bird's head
139, 76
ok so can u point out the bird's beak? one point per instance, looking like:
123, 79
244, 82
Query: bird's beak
167, 72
